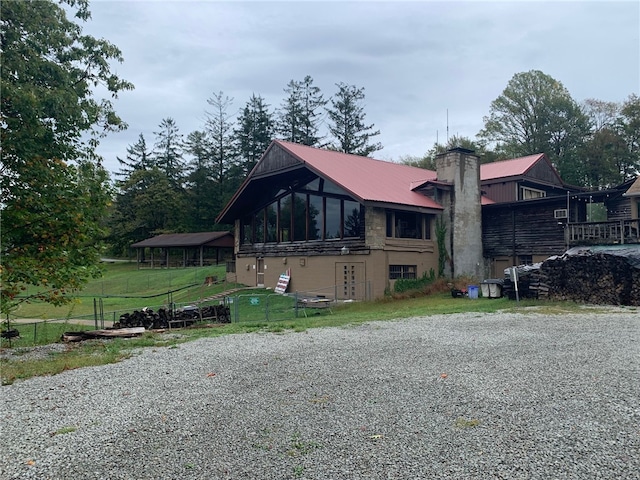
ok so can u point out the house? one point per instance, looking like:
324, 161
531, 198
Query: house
184, 249
351, 226
530, 230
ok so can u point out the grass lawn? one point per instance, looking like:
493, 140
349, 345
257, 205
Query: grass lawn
190, 287
124, 288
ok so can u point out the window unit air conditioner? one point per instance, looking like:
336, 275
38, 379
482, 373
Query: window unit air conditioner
560, 213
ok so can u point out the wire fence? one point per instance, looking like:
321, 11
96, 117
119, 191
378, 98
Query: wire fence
243, 307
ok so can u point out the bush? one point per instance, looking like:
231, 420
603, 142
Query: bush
405, 284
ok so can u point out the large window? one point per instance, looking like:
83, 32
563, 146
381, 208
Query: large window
408, 225
320, 211
402, 271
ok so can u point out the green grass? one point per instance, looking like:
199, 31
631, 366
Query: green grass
125, 288
281, 317
41, 333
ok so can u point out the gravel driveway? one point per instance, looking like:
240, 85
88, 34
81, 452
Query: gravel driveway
473, 396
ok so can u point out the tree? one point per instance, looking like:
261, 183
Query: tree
219, 128
253, 134
347, 125
168, 152
138, 158
628, 125
201, 191
299, 117
147, 204
428, 160
536, 114
53, 196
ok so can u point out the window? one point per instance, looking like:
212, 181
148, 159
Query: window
316, 219
527, 193
525, 259
305, 216
402, 271
246, 234
333, 219
408, 225
353, 219
272, 219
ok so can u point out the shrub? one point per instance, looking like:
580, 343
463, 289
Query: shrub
405, 284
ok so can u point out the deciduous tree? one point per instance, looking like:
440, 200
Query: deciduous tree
53, 196
536, 114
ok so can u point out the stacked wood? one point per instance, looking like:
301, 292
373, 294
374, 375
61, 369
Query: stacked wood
590, 277
165, 318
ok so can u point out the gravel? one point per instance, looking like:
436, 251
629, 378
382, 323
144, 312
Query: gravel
472, 396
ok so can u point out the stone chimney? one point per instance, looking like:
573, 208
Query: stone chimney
462, 210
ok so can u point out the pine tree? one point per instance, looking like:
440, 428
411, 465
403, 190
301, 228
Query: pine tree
253, 134
138, 158
219, 129
168, 152
299, 117
201, 189
346, 122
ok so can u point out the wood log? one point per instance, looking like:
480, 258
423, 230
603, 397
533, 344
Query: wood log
107, 333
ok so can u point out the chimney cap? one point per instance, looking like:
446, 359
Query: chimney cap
461, 150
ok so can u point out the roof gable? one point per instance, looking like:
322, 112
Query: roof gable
509, 168
634, 189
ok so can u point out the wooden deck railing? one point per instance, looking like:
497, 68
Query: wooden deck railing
604, 233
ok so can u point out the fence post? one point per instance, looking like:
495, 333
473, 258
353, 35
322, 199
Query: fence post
35, 333
266, 308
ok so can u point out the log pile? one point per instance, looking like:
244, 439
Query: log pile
165, 318
594, 277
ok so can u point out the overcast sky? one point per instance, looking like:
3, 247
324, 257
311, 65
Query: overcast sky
415, 60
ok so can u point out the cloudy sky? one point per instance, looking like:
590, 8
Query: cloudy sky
420, 62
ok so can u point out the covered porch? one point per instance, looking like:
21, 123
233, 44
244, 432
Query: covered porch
179, 250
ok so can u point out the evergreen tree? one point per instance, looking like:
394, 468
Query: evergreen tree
168, 152
219, 128
201, 190
347, 125
138, 158
146, 205
253, 134
299, 117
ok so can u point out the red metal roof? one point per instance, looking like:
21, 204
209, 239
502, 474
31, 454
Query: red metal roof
365, 178
508, 168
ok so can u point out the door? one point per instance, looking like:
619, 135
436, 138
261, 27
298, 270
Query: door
350, 281
260, 272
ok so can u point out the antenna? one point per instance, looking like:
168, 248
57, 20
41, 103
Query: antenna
447, 126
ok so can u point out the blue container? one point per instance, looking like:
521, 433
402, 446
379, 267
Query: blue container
472, 291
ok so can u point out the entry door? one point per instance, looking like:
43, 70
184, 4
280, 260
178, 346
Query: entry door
350, 280
260, 272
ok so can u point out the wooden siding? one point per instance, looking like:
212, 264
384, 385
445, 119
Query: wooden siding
500, 192
618, 208
515, 230
278, 159
542, 172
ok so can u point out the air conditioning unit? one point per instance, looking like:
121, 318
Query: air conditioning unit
560, 213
